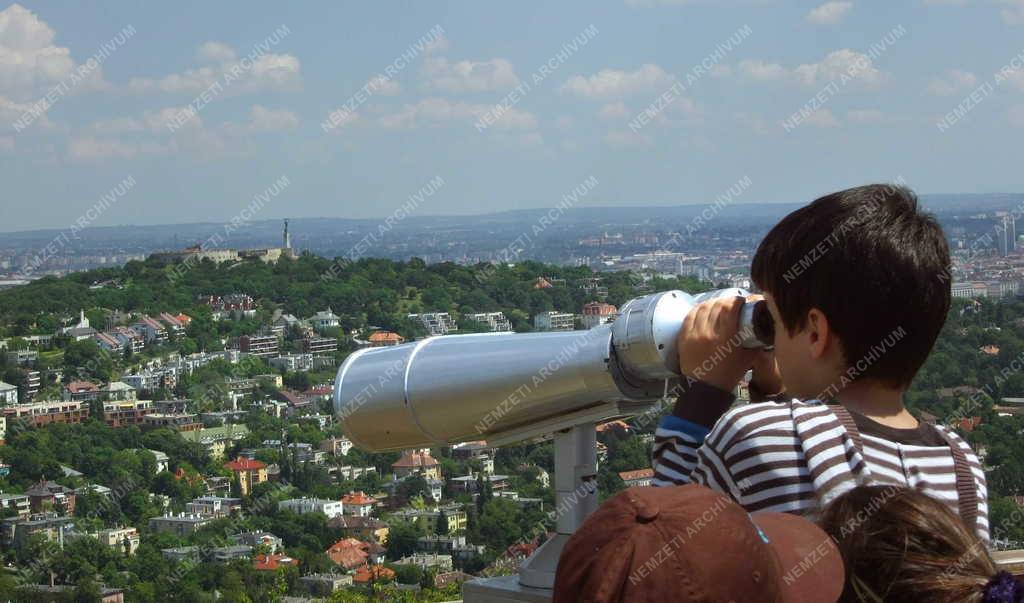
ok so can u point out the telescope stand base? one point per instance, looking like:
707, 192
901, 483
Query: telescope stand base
503, 589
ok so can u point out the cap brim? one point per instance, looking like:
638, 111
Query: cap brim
811, 567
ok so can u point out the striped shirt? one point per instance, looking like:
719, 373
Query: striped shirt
795, 457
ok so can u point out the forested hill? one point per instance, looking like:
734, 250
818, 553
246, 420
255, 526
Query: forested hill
368, 292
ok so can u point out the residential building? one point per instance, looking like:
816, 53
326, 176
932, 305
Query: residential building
175, 324
358, 503
47, 496
55, 593
336, 446
372, 574
145, 380
29, 386
428, 561
22, 357
18, 503
363, 528
302, 506
383, 339
261, 346
124, 539
266, 540
126, 412
8, 394
117, 390
637, 477
322, 585
183, 422
128, 338
273, 562
81, 391
218, 439
181, 525
554, 321
213, 506
45, 413
323, 320
293, 362
597, 313
249, 473
496, 321
151, 329
436, 323
417, 462
348, 553
108, 342
16, 531
319, 345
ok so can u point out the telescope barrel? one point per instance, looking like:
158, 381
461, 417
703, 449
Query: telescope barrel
442, 390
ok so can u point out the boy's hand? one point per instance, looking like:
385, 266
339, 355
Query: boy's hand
765, 375
708, 345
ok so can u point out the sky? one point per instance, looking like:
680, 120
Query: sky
205, 109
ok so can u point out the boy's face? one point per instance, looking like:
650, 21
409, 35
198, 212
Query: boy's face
806, 369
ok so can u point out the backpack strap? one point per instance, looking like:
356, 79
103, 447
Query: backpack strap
966, 488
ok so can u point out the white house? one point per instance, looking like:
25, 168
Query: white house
301, 506
8, 393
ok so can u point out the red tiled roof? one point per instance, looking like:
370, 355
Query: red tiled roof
617, 424
244, 464
415, 459
636, 474
272, 562
386, 336
376, 572
599, 309
348, 553
357, 498
82, 386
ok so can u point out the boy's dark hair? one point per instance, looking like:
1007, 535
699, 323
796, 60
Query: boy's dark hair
875, 265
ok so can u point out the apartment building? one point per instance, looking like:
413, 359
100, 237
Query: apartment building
554, 321
262, 346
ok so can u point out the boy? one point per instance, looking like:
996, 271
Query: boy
858, 286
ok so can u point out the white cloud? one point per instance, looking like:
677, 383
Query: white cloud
267, 72
1014, 76
30, 61
95, 149
436, 111
468, 76
760, 70
834, 67
150, 121
829, 13
611, 83
626, 139
1016, 115
383, 86
955, 81
822, 118
6, 144
869, 117
438, 44
721, 70
616, 110
216, 52
1014, 13
262, 119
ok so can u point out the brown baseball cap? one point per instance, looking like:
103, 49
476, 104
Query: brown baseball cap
690, 543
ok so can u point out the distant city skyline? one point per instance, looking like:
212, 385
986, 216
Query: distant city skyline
359, 109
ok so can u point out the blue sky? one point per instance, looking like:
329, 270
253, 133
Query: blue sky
885, 75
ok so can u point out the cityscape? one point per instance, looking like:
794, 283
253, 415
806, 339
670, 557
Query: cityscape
365, 302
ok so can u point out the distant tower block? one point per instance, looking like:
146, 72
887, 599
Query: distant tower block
287, 236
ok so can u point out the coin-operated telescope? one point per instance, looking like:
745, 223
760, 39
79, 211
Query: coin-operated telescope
512, 387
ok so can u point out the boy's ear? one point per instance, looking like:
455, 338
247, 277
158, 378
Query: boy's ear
818, 333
